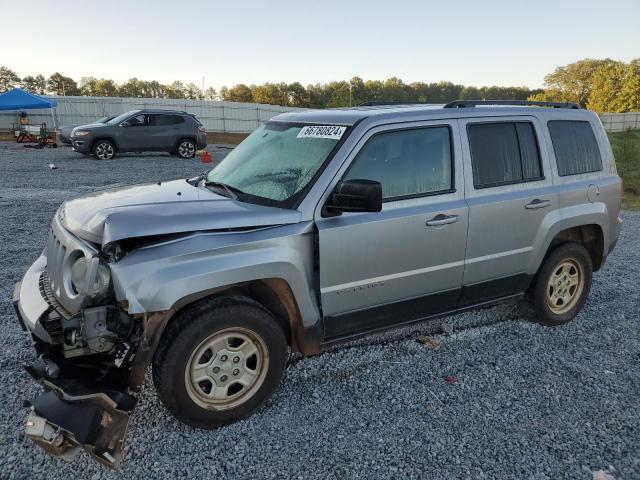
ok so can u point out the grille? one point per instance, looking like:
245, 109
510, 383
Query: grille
62, 250
47, 294
56, 253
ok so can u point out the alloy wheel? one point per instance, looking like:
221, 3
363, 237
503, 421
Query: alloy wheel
104, 151
186, 149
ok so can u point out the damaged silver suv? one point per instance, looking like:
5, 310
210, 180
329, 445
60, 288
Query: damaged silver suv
320, 227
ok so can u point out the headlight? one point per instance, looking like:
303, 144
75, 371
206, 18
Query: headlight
97, 285
79, 133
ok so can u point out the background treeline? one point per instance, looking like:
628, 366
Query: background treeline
601, 85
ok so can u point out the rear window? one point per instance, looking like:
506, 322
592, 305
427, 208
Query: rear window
575, 147
503, 153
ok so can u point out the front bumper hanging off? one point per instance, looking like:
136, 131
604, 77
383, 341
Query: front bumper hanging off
61, 422
78, 407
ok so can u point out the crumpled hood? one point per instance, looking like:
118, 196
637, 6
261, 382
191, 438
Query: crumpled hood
161, 209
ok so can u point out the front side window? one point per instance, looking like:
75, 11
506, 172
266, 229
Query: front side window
575, 147
406, 162
503, 153
278, 160
137, 121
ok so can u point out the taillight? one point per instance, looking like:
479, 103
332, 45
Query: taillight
202, 129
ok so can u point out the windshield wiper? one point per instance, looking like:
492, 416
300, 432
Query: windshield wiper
232, 192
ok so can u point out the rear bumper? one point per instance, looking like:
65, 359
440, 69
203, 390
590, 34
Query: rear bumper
201, 141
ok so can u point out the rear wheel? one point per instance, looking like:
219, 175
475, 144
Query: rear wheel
186, 148
219, 361
104, 150
562, 285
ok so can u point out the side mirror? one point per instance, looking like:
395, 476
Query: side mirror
356, 196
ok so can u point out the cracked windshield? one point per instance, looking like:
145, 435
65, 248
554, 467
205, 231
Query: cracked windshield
277, 160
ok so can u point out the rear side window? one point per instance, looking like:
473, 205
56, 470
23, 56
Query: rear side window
407, 162
575, 147
503, 153
163, 120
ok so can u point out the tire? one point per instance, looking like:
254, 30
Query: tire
196, 370
104, 150
186, 148
554, 297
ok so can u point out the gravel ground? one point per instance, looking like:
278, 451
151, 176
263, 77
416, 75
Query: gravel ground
522, 401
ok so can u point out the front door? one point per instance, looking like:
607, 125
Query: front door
407, 261
134, 133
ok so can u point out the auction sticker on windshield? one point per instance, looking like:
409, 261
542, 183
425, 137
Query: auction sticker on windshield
322, 131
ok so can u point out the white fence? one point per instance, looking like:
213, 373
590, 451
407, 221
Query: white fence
619, 122
216, 116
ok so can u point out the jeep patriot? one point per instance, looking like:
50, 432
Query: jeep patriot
320, 227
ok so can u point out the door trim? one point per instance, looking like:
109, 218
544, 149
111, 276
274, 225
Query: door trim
356, 323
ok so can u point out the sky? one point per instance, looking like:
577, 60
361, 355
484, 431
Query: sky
471, 42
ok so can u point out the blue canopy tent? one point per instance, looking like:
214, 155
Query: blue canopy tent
18, 99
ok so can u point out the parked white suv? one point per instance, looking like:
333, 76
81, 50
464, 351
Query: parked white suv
320, 227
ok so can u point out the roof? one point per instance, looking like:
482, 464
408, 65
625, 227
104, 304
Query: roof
18, 99
353, 115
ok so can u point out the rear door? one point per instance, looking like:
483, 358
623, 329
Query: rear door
165, 129
510, 193
405, 262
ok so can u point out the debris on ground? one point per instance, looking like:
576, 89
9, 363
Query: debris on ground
606, 474
52, 166
447, 328
429, 342
450, 379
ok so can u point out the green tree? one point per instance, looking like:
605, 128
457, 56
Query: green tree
58, 84
630, 89
174, 90
132, 88
88, 86
237, 93
37, 84
605, 89
210, 94
8, 79
573, 82
271, 93
193, 92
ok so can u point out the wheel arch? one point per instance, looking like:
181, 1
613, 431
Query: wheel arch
584, 224
185, 137
110, 139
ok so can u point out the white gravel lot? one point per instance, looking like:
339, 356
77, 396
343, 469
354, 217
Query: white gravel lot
527, 401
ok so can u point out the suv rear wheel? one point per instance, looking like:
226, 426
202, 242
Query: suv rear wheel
104, 150
562, 285
219, 361
186, 148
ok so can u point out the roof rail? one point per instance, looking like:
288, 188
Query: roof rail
379, 104
474, 103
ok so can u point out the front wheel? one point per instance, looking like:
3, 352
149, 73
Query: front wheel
104, 150
186, 148
219, 361
562, 285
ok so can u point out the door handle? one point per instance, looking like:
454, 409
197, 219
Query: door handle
537, 203
442, 219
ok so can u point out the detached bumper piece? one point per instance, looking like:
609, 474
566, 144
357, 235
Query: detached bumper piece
61, 422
